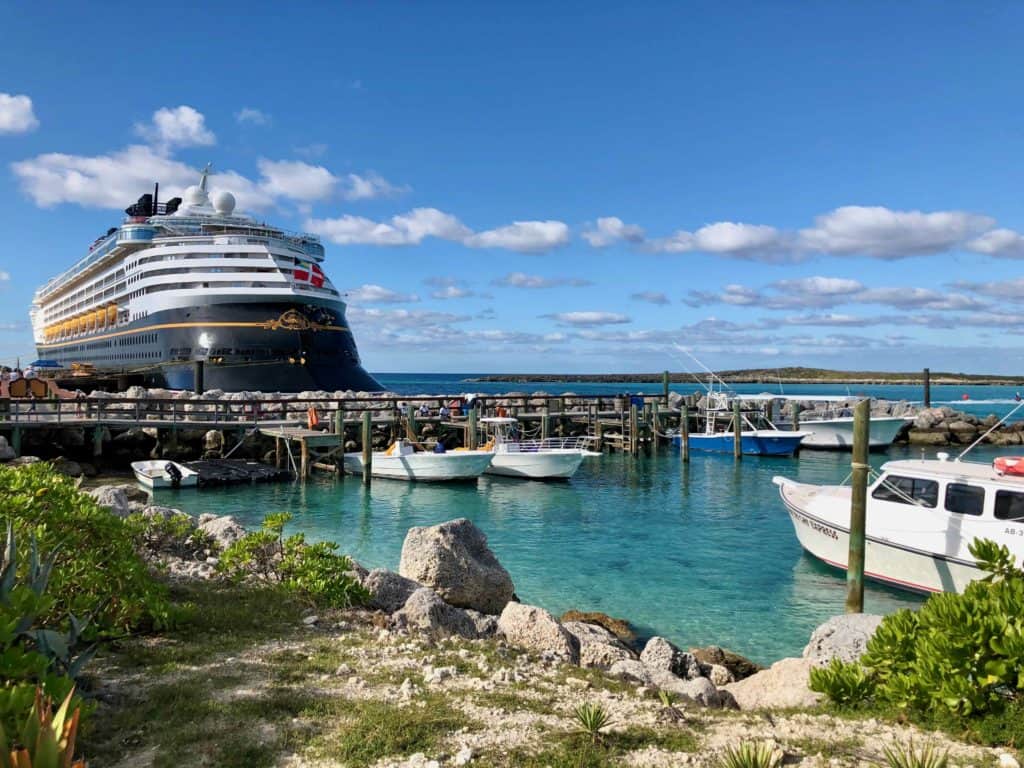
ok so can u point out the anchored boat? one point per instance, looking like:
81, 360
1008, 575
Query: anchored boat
921, 517
551, 458
401, 461
160, 473
719, 435
832, 427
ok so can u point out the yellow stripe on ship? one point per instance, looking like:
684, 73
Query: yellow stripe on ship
163, 326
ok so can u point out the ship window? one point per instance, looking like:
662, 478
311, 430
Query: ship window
964, 499
1010, 506
908, 490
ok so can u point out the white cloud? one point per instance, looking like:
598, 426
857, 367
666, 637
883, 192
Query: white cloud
589, 318
296, 180
651, 297
252, 115
523, 236
16, 114
450, 288
378, 294
4, 276
887, 234
523, 280
370, 187
178, 126
1002, 243
406, 229
612, 229
724, 237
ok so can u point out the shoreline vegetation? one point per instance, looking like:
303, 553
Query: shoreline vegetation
789, 375
254, 648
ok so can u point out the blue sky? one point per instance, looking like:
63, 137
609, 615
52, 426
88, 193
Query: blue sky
557, 187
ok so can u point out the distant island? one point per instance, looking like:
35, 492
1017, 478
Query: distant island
794, 375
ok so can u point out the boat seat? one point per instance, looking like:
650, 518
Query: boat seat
18, 388
38, 387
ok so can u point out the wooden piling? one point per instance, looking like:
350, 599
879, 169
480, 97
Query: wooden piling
796, 416
655, 419
278, 453
664, 387
599, 435
634, 429
684, 435
927, 388
472, 436
339, 424
304, 469
858, 506
545, 422
737, 431
367, 446
411, 428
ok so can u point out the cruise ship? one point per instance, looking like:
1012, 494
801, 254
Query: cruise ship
189, 294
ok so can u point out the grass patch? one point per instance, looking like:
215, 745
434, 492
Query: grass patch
575, 750
827, 748
370, 730
515, 700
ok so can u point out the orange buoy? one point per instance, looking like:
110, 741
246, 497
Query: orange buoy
312, 420
965, 396
1009, 465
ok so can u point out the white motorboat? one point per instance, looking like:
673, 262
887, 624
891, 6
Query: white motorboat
922, 515
160, 473
402, 461
832, 427
550, 458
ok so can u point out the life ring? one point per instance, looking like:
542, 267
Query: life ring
1009, 465
312, 420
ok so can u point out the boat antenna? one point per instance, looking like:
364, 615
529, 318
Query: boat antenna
990, 431
691, 374
711, 373
778, 375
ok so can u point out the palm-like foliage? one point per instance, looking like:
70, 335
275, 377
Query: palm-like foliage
592, 719
47, 738
750, 754
908, 757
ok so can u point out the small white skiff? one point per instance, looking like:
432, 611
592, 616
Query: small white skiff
403, 462
922, 515
160, 473
553, 458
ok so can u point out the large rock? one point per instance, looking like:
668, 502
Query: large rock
225, 530
928, 437
454, 560
621, 628
659, 655
599, 648
388, 591
6, 452
699, 689
844, 637
782, 685
425, 611
631, 670
533, 628
738, 666
112, 498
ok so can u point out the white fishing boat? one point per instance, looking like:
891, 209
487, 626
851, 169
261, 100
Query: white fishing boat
831, 427
402, 461
921, 517
160, 473
550, 458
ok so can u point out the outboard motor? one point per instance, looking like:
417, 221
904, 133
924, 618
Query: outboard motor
174, 474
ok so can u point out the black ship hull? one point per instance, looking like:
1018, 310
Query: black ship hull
283, 346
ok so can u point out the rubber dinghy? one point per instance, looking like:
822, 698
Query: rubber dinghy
402, 461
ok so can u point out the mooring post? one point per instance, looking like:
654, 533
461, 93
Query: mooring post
634, 429
858, 506
796, 416
737, 431
599, 435
277, 453
655, 418
367, 446
927, 388
472, 436
684, 435
411, 429
304, 458
545, 425
664, 387
339, 422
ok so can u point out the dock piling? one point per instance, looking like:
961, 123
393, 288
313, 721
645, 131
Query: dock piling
655, 424
737, 431
472, 436
634, 429
684, 435
411, 428
858, 506
367, 446
664, 387
927, 388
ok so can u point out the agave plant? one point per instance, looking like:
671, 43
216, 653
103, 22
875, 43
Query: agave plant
592, 719
47, 739
750, 754
908, 757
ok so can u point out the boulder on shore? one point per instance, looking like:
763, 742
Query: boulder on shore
599, 648
388, 591
621, 628
224, 530
533, 628
113, 498
425, 611
738, 666
659, 655
782, 685
454, 560
844, 637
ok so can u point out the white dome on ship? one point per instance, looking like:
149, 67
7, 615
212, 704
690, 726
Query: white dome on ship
224, 203
195, 195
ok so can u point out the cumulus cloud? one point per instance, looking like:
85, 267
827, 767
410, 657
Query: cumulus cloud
523, 280
4, 276
612, 229
651, 297
588, 318
252, 116
1007, 290
449, 288
370, 187
17, 114
370, 293
296, 180
1001, 243
177, 127
406, 229
522, 236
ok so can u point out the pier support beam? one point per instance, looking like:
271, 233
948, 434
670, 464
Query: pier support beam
927, 388
367, 446
634, 429
858, 506
655, 424
684, 435
472, 436
411, 428
737, 431
304, 469
664, 387
545, 422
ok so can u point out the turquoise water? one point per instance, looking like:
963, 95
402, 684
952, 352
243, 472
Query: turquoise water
701, 554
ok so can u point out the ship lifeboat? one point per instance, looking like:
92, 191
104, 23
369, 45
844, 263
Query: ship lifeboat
1009, 465
111, 314
101, 317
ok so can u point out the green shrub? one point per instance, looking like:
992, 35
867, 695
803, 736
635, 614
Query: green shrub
96, 562
314, 571
908, 757
45, 739
750, 754
962, 653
